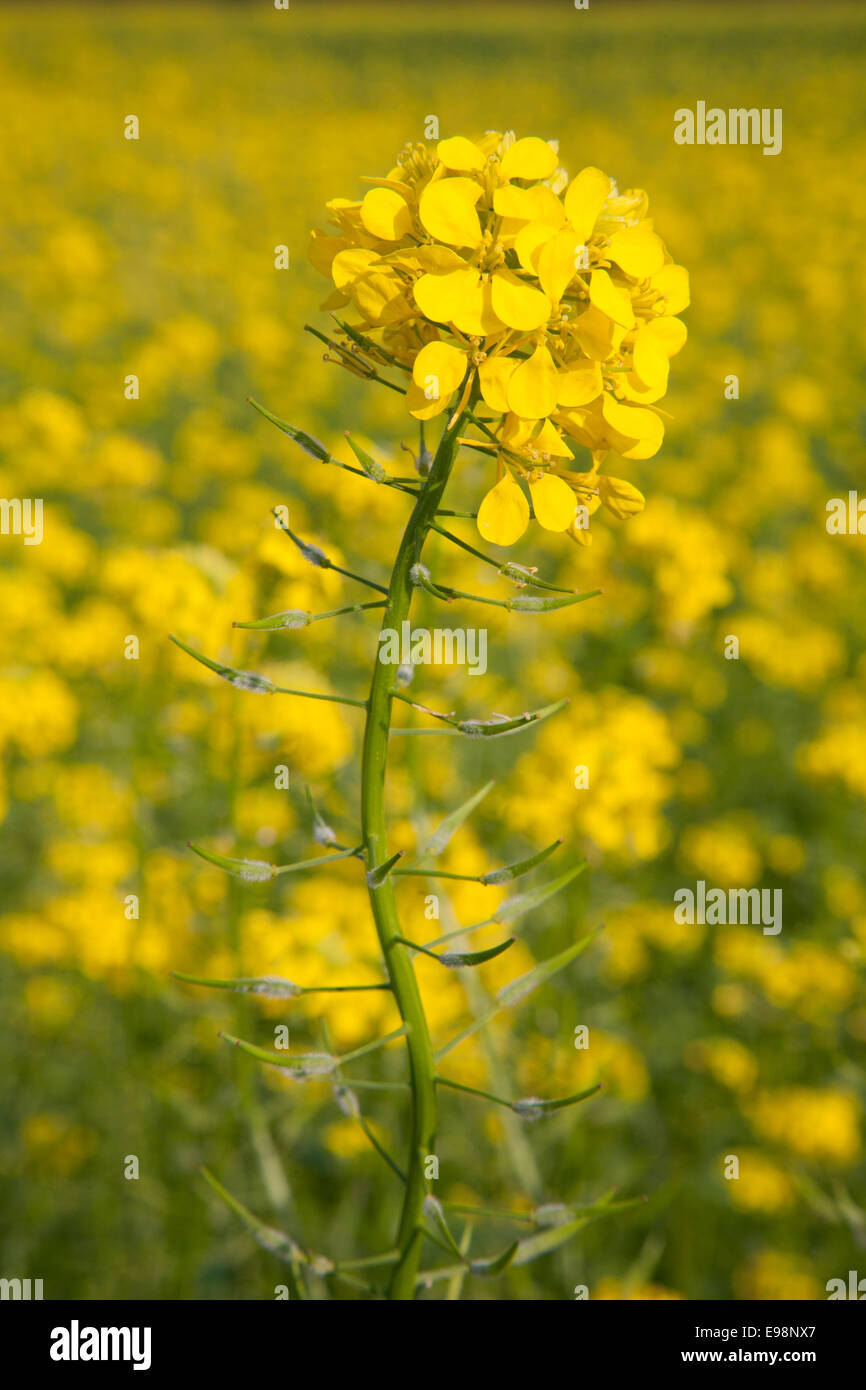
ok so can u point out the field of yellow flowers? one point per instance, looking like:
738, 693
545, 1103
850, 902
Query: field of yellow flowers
156, 259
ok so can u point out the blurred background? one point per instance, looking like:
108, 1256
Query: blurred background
155, 258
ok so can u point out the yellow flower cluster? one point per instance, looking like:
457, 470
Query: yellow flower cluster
822, 1125
634, 931
810, 979
607, 776
775, 1274
761, 1186
728, 1061
481, 270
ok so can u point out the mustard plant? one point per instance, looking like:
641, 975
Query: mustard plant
532, 316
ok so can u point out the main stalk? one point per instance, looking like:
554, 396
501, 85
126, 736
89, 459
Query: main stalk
398, 959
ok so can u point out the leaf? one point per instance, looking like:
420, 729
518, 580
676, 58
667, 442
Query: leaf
519, 989
299, 1066
266, 986
537, 603
446, 828
523, 866
521, 603
292, 618
454, 960
373, 469
543, 1242
533, 1108
250, 870
376, 877
259, 871
276, 1242
497, 1265
312, 553
540, 1243
432, 1208
309, 445
502, 724
521, 575
522, 903
243, 680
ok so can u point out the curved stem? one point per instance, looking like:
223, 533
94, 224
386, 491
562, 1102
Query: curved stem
398, 958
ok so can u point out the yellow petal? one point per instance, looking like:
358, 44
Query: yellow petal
597, 335
529, 158
474, 314
671, 333
528, 243
323, 249
339, 206
651, 363
627, 420
517, 432
553, 502
539, 204
650, 443
346, 215
493, 377
518, 305
587, 425
504, 513
579, 383
348, 265
631, 388
548, 443
637, 251
440, 296
532, 388
385, 214
418, 405
641, 431
556, 263
584, 199
548, 207
578, 426
447, 211
334, 301
672, 281
515, 202
380, 297
620, 498
435, 258
439, 369
460, 154
614, 302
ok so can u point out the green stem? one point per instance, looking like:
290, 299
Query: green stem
398, 958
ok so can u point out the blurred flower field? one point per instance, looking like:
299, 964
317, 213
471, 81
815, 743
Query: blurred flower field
156, 258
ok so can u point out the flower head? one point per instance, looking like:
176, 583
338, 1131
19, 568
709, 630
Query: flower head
544, 307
